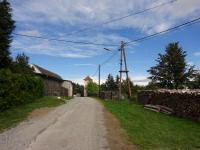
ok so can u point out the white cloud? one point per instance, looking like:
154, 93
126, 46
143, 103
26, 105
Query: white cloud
90, 13
84, 64
60, 17
68, 50
140, 80
197, 54
30, 32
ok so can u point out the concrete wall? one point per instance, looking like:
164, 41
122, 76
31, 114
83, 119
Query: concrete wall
68, 85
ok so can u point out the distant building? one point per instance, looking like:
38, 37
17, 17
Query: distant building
86, 80
54, 85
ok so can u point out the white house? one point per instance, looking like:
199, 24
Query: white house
86, 80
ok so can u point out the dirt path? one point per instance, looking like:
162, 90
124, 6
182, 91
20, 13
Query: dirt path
77, 125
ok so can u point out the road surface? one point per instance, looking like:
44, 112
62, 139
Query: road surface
77, 125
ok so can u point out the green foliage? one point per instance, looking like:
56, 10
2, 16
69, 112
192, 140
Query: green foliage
21, 65
134, 89
111, 84
16, 89
172, 70
92, 88
154, 131
13, 116
6, 28
77, 88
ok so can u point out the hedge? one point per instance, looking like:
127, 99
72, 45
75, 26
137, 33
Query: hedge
185, 103
17, 89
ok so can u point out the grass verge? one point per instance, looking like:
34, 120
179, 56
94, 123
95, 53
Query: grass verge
13, 116
155, 131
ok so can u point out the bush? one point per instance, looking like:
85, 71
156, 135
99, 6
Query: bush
16, 89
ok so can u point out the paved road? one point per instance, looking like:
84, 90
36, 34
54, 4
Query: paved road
77, 125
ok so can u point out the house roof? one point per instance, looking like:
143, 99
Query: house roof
39, 70
88, 78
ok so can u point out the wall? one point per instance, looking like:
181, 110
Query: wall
52, 87
68, 85
185, 103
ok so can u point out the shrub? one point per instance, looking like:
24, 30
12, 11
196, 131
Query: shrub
16, 89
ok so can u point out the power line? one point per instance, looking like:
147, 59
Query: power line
105, 62
194, 21
62, 40
95, 72
123, 17
109, 58
92, 43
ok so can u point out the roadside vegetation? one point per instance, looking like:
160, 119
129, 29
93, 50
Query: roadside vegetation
152, 131
18, 84
15, 115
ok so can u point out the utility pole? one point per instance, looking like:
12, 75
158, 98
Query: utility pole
126, 70
123, 59
120, 77
99, 80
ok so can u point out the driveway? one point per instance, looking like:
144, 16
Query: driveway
77, 125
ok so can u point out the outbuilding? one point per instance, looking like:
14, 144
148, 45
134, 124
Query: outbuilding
54, 85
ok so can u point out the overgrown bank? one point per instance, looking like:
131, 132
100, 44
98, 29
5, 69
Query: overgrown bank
12, 117
17, 89
150, 131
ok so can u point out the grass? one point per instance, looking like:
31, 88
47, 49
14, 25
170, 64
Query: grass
13, 116
155, 131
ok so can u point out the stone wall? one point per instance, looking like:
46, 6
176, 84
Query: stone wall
185, 103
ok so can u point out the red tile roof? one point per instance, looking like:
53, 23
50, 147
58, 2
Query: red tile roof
88, 78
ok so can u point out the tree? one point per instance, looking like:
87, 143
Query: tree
172, 70
7, 25
78, 89
125, 87
21, 64
110, 84
92, 88
117, 81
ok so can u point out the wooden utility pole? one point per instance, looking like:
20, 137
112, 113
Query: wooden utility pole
99, 80
120, 77
123, 58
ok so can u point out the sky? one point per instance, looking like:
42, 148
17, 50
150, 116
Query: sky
65, 19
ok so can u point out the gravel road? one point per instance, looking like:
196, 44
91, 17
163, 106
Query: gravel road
77, 125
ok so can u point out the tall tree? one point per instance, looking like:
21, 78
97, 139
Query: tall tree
110, 83
171, 70
7, 25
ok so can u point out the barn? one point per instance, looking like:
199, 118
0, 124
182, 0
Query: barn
54, 85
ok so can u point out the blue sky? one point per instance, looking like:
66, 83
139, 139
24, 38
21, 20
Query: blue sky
59, 18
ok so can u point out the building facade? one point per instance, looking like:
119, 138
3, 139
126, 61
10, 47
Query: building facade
69, 86
54, 85
86, 81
